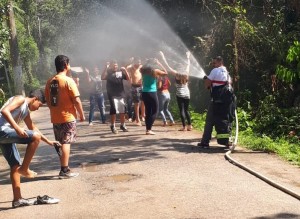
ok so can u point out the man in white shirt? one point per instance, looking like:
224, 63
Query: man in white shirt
218, 110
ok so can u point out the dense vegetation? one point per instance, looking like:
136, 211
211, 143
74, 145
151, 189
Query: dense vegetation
259, 40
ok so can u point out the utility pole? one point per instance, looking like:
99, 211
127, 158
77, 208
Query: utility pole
14, 53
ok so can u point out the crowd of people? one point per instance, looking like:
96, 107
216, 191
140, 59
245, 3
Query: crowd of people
148, 92
139, 93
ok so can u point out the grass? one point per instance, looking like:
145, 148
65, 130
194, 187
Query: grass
284, 148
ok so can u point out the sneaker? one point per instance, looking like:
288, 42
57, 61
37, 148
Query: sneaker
113, 129
22, 202
165, 124
46, 200
91, 124
123, 128
203, 145
67, 175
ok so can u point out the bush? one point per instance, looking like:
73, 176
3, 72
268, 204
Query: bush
2, 97
274, 121
32, 86
287, 148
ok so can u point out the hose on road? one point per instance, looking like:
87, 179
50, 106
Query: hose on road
260, 176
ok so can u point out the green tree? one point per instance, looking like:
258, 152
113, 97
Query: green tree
290, 72
4, 32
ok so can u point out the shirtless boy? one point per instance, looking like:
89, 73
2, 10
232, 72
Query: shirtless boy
136, 89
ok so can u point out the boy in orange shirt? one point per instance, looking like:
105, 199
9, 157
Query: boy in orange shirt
63, 100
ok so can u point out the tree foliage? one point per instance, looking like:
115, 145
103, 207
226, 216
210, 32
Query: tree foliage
290, 72
257, 38
4, 32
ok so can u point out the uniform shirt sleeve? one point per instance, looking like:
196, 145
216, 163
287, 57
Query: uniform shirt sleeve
212, 74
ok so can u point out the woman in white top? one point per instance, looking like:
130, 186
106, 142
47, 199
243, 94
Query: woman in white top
182, 92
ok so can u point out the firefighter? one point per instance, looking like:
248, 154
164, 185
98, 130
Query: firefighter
219, 112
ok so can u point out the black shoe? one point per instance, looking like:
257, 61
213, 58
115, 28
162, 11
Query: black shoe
228, 145
203, 145
46, 200
123, 128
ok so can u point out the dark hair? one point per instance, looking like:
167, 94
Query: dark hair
112, 62
39, 94
181, 78
218, 58
149, 67
61, 61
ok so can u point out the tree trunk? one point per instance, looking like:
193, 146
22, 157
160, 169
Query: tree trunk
235, 56
294, 5
14, 53
235, 79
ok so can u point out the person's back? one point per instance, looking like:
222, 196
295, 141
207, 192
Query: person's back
218, 76
164, 98
164, 84
150, 72
63, 89
149, 83
63, 100
182, 89
18, 114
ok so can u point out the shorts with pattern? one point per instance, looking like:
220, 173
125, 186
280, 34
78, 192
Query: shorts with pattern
136, 92
65, 133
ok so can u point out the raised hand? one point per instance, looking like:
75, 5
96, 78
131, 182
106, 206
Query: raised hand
162, 54
188, 54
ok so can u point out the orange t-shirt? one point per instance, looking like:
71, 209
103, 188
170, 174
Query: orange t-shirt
59, 92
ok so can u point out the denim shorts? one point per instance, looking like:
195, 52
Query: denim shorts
8, 140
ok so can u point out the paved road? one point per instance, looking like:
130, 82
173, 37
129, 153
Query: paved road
133, 175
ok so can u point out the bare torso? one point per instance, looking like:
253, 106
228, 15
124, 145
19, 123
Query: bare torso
135, 74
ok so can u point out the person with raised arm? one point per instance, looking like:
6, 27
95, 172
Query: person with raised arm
150, 72
136, 89
182, 90
96, 94
116, 93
